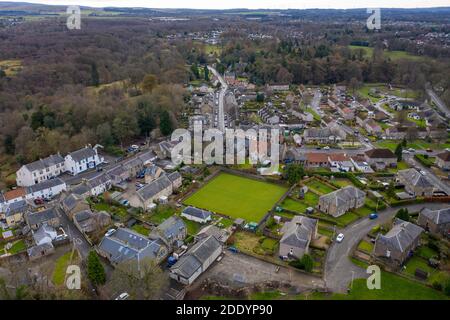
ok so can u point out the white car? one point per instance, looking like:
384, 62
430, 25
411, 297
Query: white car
340, 237
326, 148
135, 146
123, 296
411, 150
405, 151
110, 232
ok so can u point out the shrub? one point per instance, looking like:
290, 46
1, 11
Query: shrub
96, 272
437, 285
304, 263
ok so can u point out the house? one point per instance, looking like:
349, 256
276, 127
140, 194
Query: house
165, 149
161, 187
295, 155
40, 170
379, 159
82, 160
346, 112
361, 165
443, 160
47, 216
196, 260
46, 189
176, 179
125, 245
72, 204
338, 202
197, 215
436, 222
87, 221
397, 245
152, 173
147, 157
172, 231
14, 212
98, 184
40, 251
14, 195
330, 134
44, 234
134, 165
316, 160
212, 230
372, 127
81, 190
340, 162
297, 235
118, 174
415, 183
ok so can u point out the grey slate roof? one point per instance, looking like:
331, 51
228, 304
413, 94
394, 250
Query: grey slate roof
98, 180
82, 154
171, 227
47, 184
174, 176
196, 257
342, 196
41, 164
401, 236
299, 231
196, 212
37, 250
80, 189
154, 187
83, 215
35, 218
414, 178
148, 155
441, 216
15, 207
2, 197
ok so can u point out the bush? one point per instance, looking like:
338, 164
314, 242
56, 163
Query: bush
304, 263
437, 285
446, 287
96, 272
190, 239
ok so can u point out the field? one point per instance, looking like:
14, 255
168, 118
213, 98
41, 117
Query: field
237, 197
394, 55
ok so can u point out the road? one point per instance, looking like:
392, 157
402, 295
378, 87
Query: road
315, 103
439, 103
380, 108
339, 268
223, 90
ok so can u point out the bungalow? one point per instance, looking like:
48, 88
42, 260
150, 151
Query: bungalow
40, 170
297, 235
47, 216
415, 183
125, 245
361, 165
87, 221
436, 222
176, 179
379, 159
82, 160
172, 231
396, 246
196, 260
346, 112
144, 197
316, 160
372, 127
46, 189
443, 160
341, 162
340, 201
324, 135
197, 215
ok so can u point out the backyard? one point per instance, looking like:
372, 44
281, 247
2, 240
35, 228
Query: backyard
237, 197
319, 186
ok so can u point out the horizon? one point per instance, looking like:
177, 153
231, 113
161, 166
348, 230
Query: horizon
251, 4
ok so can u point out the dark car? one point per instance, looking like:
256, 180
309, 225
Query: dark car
38, 201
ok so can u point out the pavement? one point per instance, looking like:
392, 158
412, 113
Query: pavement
339, 269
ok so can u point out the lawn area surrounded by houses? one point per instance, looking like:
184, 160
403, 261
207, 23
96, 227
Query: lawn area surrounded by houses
254, 244
319, 187
237, 197
59, 273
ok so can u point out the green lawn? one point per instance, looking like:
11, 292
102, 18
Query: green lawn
342, 182
161, 213
416, 144
192, 227
319, 186
17, 247
139, 228
237, 197
294, 205
365, 246
347, 218
59, 273
418, 263
426, 252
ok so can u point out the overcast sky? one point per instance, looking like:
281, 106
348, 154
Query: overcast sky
251, 4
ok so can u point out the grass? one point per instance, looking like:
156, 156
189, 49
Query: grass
393, 55
161, 213
294, 205
192, 227
417, 263
365, 246
114, 209
237, 197
416, 144
254, 244
319, 187
267, 295
17, 247
342, 182
59, 273
139, 228
347, 218
11, 67
426, 252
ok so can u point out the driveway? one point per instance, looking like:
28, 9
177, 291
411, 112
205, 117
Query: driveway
339, 269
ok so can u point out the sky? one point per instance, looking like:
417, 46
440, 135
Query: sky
251, 4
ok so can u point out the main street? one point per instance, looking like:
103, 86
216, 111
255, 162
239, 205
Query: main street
339, 269
223, 90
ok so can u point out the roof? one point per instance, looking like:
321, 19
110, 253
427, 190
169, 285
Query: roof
14, 194
444, 155
16, 207
98, 180
154, 187
80, 189
401, 236
342, 196
316, 157
35, 218
441, 216
298, 231
196, 256
339, 157
415, 178
380, 153
146, 156
47, 184
43, 232
174, 176
171, 227
71, 201
82, 154
196, 212
42, 164
37, 250
83, 215
117, 170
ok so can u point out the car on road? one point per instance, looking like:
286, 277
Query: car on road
340, 237
326, 148
123, 296
110, 232
139, 186
412, 150
429, 150
318, 148
373, 215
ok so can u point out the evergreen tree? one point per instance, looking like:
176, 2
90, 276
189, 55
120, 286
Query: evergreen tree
206, 71
95, 78
403, 214
96, 272
165, 123
399, 152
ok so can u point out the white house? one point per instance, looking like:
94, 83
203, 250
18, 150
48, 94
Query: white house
99, 184
44, 235
197, 215
46, 189
82, 160
40, 170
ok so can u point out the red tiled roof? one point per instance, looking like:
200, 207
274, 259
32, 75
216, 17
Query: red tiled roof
16, 193
316, 157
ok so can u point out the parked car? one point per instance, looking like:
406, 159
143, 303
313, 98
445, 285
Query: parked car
340, 237
233, 249
405, 151
326, 148
123, 296
38, 201
318, 148
412, 150
429, 150
373, 216
110, 232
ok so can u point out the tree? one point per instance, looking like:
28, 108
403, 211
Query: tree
95, 78
403, 214
165, 123
143, 279
9, 144
399, 152
260, 97
96, 272
206, 71
149, 83
294, 172
391, 190
194, 70
307, 262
